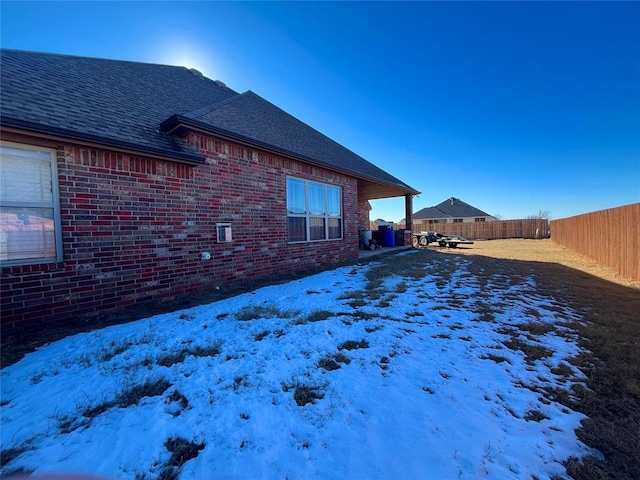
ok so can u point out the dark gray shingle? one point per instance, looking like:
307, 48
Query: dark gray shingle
450, 208
253, 117
114, 100
120, 102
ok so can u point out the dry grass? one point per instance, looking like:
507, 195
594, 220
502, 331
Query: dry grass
545, 251
332, 362
304, 395
495, 358
611, 333
129, 396
182, 450
532, 352
353, 345
167, 359
8, 454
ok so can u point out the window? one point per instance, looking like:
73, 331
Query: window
480, 219
314, 211
30, 229
457, 220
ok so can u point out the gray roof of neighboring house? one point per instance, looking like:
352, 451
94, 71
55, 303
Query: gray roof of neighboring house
133, 105
429, 213
450, 208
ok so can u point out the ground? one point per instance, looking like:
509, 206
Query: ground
604, 307
611, 305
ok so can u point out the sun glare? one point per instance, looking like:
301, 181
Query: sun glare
190, 55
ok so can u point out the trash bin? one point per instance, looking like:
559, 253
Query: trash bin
377, 236
365, 238
388, 236
366, 234
399, 237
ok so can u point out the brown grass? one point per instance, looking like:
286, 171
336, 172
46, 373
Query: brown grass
610, 304
353, 345
182, 450
545, 251
304, 394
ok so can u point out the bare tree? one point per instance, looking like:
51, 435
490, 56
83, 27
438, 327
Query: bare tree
542, 214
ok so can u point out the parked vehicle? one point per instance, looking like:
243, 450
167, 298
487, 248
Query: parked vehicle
423, 239
452, 241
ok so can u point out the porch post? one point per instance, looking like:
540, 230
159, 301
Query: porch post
408, 206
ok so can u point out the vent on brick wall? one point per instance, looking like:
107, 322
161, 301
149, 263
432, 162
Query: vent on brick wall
223, 231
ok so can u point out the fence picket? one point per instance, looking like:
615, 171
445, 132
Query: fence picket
500, 229
609, 237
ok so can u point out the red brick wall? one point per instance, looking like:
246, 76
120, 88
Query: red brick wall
364, 208
134, 230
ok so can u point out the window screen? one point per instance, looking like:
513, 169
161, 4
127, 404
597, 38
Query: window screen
29, 207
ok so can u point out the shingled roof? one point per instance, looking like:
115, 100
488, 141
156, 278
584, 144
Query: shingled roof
450, 208
141, 106
113, 102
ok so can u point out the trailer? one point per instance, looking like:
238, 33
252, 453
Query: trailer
423, 239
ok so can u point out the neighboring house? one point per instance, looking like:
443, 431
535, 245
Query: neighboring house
125, 182
452, 210
375, 224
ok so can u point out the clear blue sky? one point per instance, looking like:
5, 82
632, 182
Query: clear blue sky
512, 107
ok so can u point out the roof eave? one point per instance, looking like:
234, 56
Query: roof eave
180, 125
51, 132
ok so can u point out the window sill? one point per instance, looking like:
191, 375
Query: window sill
315, 241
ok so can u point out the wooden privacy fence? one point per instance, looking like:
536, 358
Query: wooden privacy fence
499, 229
609, 237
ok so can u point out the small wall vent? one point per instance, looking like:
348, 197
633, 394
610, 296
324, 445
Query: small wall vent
223, 232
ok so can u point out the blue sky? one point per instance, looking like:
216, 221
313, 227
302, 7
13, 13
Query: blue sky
513, 107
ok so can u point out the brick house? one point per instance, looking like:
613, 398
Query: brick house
124, 183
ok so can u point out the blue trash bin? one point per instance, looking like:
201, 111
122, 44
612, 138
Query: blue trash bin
388, 238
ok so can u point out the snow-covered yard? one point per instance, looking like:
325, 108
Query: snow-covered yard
433, 374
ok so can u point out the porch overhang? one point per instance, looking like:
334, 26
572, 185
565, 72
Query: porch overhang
369, 190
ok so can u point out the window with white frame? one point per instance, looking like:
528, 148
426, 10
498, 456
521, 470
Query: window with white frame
30, 230
314, 211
